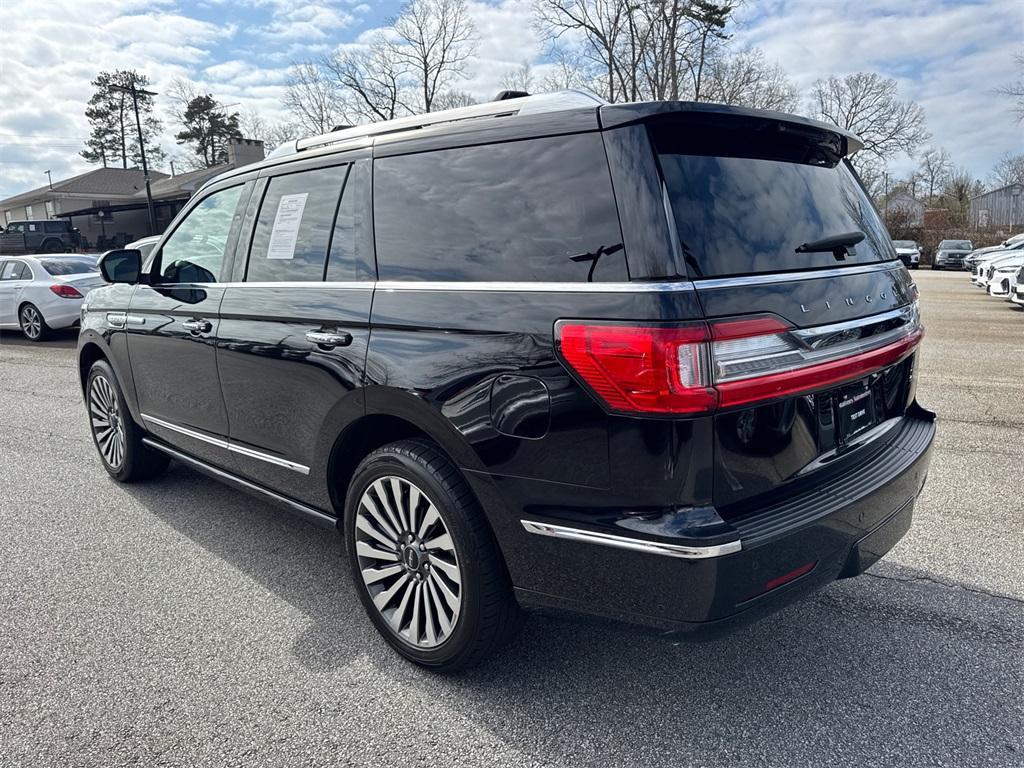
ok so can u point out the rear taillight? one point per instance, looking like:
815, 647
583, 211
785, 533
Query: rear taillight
66, 291
698, 367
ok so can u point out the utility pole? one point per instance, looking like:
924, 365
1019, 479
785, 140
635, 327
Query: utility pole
49, 179
885, 200
131, 89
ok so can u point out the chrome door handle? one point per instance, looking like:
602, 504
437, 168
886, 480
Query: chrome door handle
197, 326
329, 339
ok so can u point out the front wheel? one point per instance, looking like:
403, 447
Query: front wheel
118, 439
424, 560
935, 266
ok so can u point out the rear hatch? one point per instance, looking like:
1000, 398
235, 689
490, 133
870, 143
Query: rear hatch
813, 320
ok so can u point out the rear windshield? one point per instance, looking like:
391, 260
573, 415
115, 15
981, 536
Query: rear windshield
69, 266
744, 201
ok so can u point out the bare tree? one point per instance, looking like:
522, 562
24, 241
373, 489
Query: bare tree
433, 41
1015, 90
640, 49
313, 98
1009, 169
935, 168
747, 80
519, 79
454, 100
372, 83
273, 135
957, 193
868, 105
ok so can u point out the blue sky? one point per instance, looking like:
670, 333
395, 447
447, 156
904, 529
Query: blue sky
948, 56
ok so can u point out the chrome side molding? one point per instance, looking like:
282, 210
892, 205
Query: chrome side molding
227, 445
634, 545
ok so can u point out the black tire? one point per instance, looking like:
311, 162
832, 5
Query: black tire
53, 246
913, 266
33, 324
130, 460
935, 266
488, 616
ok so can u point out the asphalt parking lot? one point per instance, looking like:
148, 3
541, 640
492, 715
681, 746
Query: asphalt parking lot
182, 623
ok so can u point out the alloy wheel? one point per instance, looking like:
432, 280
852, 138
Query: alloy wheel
408, 562
31, 322
106, 421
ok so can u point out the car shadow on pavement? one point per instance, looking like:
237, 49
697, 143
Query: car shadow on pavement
893, 666
66, 338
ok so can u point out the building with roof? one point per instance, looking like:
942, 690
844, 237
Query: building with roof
108, 205
1001, 208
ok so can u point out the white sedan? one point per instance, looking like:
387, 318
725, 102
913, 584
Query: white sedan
42, 293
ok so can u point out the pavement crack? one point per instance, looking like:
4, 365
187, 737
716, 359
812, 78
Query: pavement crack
948, 585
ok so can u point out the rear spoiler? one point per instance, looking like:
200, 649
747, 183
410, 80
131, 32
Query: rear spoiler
615, 115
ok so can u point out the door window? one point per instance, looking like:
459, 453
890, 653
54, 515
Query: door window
15, 270
295, 224
194, 253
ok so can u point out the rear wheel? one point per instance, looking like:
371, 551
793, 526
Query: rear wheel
53, 246
118, 439
424, 560
32, 323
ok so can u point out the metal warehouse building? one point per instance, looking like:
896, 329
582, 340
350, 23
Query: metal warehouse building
1002, 207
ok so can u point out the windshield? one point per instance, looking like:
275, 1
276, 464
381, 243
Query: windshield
75, 266
745, 204
956, 245
904, 243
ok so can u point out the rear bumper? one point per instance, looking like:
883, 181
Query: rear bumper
837, 531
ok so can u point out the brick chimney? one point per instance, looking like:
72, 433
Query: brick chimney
244, 151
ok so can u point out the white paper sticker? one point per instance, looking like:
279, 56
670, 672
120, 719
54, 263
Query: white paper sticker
286, 226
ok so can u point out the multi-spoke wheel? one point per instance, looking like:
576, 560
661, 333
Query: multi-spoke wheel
408, 561
105, 419
117, 438
424, 559
32, 323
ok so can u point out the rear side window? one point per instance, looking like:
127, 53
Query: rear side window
69, 266
57, 227
293, 231
537, 210
744, 201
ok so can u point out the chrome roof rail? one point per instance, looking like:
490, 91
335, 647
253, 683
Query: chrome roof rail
542, 102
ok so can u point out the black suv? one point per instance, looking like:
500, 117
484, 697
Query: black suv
655, 362
39, 236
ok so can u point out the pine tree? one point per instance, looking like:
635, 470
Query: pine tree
208, 129
113, 136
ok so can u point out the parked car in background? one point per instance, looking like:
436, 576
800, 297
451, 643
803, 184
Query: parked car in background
145, 245
500, 373
42, 293
979, 254
950, 254
999, 274
39, 236
1017, 288
979, 272
909, 252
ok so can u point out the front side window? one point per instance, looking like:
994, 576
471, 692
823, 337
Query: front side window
17, 227
195, 252
294, 227
536, 210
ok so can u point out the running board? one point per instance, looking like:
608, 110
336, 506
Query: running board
313, 515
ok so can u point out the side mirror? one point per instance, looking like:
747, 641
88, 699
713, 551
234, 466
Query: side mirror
121, 266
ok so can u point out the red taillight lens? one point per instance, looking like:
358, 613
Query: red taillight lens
698, 367
641, 369
66, 291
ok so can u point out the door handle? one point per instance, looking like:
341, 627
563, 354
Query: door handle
197, 326
329, 339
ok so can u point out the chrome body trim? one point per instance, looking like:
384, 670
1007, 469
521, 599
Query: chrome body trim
315, 516
527, 287
788, 277
634, 545
227, 445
